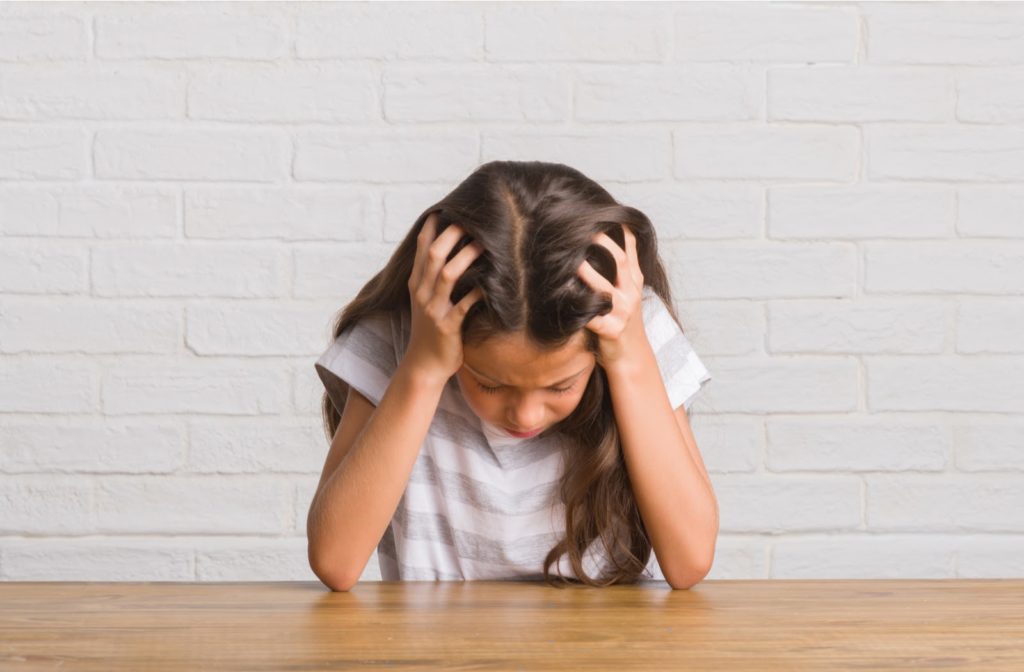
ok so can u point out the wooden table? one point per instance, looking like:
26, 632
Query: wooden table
720, 625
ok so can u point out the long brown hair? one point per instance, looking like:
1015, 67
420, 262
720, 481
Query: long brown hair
536, 222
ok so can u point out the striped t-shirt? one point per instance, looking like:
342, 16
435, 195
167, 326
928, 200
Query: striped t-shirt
479, 504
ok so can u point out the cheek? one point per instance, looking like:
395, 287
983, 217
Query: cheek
568, 404
492, 405
476, 399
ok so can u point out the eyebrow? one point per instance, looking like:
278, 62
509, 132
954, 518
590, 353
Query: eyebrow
495, 380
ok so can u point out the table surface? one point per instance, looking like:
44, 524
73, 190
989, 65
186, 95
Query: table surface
720, 625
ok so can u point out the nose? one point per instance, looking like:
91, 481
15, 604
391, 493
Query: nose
526, 414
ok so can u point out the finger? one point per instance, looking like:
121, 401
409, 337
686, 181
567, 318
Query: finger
606, 241
597, 282
423, 240
453, 270
438, 254
596, 324
465, 303
634, 257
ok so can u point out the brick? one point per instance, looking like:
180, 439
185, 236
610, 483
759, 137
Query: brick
990, 557
723, 327
970, 33
292, 213
195, 386
92, 446
254, 329
383, 156
748, 31
42, 153
874, 211
988, 445
944, 152
938, 267
639, 154
192, 505
755, 503
244, 447
89, 211
696, 211
838, 444
991, 95
46, 504
34, 267
986, 384
387, 31
852, 556
43, 384
760, 270
860, 326
41, 325
808, 152
191, 154
42, 35
944, 503
261, 560
668, 93
601, 33
279, 92
97, 559
860, 93
990, 211
990, 326
336, 272
91, 91
781, 385
475, 93
257, 32
173, 269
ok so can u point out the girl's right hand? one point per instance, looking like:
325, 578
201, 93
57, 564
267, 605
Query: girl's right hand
435, 344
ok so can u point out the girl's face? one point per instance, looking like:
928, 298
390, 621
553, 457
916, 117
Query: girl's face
526, 389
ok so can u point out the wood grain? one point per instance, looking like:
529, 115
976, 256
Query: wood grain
720, 625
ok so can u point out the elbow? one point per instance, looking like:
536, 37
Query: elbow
687, 577
330, 576
686, 581
337, 582
342, 586
684, 585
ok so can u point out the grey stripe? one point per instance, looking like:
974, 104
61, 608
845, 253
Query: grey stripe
435, 527
482, 495
388, 567
387, 543
463, 433
392, 569
425, 574
364, 343
672, 355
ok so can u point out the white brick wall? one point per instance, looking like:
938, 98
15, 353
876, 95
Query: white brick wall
188, 193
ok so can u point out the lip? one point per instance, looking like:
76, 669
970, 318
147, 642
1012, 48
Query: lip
523, 435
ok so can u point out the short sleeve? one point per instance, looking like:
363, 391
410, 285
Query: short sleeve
364, 356
682, 371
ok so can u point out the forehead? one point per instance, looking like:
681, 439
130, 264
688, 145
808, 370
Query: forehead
514, 360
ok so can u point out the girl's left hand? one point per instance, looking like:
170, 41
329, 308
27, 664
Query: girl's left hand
622, 330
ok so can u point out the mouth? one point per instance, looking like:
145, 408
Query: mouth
524, 435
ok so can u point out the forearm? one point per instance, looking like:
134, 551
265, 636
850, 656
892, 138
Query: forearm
672, 489
356, 504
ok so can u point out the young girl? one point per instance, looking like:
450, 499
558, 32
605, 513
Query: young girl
509, 394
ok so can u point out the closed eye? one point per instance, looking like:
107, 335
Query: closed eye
493, 390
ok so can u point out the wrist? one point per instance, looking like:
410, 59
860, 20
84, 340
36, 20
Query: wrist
422, 378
